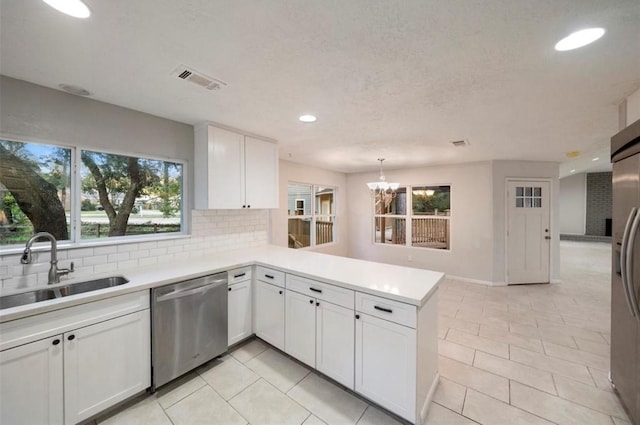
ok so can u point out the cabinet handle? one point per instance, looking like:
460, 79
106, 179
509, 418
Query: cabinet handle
244, 206
71, 337
56, 341
248, 206
386, 310
268, 276
315, 290
229, 289
239, 275
280, 292
357, 316
317, 303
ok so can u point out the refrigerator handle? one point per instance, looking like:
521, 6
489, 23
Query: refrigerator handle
624, 256
629, 264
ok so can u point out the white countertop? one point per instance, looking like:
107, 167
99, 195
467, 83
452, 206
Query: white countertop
404, 284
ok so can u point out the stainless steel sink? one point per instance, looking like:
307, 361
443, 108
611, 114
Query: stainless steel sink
45, 294
92, 285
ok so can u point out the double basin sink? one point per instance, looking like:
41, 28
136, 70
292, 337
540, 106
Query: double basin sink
45, 294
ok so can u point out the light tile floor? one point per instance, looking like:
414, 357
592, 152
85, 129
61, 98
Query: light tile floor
531, 354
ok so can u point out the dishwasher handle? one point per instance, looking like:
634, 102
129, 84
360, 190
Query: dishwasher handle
188, 292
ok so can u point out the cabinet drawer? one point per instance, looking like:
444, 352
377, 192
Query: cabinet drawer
394, 311
274, 277
323, 291
239, 275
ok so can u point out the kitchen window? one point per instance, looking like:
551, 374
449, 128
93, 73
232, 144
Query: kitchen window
78, 194
311, 215
426, 224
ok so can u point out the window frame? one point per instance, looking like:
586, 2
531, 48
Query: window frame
75, 189
408, 219
313, 216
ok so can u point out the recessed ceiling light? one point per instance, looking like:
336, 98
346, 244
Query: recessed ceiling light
579, 39
595, 159
572, 171
75, 8
307, 118
77, 90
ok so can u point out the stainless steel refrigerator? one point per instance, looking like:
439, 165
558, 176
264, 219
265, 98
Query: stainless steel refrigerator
625, 276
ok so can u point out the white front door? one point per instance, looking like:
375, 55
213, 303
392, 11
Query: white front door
528, 231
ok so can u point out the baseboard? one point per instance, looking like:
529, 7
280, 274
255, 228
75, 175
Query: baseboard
427, 402
477, 281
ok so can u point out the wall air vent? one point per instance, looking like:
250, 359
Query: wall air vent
460, 143
189, 74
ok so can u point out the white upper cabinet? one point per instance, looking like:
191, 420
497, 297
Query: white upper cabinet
261, 173
233, 170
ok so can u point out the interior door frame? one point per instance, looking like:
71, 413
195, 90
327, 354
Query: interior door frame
506, 221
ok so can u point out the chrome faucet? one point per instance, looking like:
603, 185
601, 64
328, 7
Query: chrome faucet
54, 271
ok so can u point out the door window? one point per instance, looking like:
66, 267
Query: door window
528, 197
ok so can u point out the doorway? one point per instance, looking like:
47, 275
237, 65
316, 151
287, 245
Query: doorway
528, 238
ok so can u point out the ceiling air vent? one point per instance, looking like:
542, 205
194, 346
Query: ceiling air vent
189, 74
460, 143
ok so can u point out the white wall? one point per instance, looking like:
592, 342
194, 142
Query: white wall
633, 107
471, 253
573, 204
478, 218
292, 172
44, 114
523, 169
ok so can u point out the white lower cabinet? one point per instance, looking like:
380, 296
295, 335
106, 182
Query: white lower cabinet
92, 356
335, 342
31, 383
269, 313
385, 364
320, 334
104, 364
300, 327
239, 308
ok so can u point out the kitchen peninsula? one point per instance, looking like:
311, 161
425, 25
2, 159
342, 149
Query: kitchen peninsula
387, 313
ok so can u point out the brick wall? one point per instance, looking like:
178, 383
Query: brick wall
599, 201
213, 231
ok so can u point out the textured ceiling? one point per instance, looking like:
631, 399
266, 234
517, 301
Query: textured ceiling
397, 79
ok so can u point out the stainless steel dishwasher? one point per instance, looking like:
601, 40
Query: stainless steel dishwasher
189, 325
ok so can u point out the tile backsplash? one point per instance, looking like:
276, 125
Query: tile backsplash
213, 231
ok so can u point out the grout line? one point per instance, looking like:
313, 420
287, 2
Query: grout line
464, 400
555, 386
456, 413
362, 414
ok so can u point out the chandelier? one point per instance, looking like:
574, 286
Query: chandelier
381, 189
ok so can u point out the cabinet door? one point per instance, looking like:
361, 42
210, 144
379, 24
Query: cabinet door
386, 364
225, 169
269, 313
31, 383
106, 363
300, 327
239, 310
261, 173
335, 342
